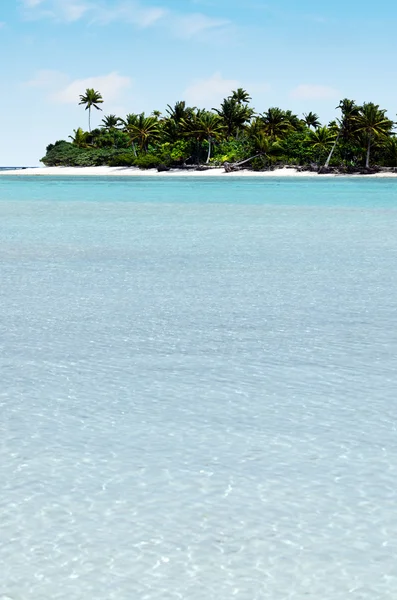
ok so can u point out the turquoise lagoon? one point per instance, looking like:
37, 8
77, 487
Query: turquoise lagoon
198, 389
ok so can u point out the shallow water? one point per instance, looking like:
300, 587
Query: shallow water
198, 389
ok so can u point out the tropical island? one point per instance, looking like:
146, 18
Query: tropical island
233, 136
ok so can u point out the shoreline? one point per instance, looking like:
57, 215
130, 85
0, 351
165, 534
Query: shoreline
214, 172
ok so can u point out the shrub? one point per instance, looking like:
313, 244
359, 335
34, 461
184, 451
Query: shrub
148, 161
260, 163
127, 159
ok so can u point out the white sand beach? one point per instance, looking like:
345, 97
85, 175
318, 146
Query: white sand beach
135, 172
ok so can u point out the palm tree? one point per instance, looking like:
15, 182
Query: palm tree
373, 124
344, 127
174, 123
143, 131
275, 123
311, 120
207, 126
179, 111
321, 139
263, 144
390, 148
240, 96
79, 138
235, 116
295, 122
91, 98
130, 120
110, 122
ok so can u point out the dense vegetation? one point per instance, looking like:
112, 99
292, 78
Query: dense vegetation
360, 138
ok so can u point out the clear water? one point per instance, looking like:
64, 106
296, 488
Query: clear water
198, 389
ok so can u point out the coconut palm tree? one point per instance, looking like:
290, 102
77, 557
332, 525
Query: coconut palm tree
173, 125
110, 122
207, 126
91, 98
311, 120
79, 138
295, 122
130, 120
235, 116
268, 147
321, 139
275, 123
372, 122
240, 96
143, 131
345, 126
390, 149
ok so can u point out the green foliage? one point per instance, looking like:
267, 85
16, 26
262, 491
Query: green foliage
65, 154
230, 151
148, 161
127, 159
295, 150
232, 133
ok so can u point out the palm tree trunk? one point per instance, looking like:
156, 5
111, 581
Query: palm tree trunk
89, 119
332, 151
368, 153
209, 150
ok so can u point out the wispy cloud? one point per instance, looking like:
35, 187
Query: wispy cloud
191, 25
128, 12
185, 25
61, 10
314, 92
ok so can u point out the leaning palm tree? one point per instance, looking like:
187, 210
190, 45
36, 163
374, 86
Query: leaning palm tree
374, 125
91, 98
345, 126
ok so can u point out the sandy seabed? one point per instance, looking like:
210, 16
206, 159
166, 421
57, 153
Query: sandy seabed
135, 172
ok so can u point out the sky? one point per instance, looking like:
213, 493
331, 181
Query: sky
144, 54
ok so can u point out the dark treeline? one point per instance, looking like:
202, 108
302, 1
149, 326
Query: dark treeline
360, 138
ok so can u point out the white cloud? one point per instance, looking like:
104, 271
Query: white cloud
62, 90
110, 86
314, 92
209, 92
129, 12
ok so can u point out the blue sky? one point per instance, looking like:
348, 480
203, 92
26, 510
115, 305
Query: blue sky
142, 54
